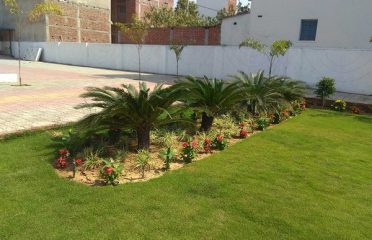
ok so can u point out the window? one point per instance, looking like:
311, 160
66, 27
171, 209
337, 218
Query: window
308, 30
122, 10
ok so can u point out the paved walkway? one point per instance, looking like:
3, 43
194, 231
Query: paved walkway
53, 92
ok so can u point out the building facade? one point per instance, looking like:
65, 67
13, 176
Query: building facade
210, 8
82, 21
311, 24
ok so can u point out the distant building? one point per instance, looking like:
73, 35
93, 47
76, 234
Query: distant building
123, 10
314, 24
82, 21
211, 7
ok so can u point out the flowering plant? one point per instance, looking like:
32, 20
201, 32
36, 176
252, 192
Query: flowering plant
243, 132
219, 142
111, 171
207, 145
62, 159
262, 123
189, 149
339, 105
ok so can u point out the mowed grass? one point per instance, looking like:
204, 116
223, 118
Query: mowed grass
308, 178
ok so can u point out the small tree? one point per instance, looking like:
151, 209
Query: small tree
137, 30
177, 49
33, 15
325, 88
278, 48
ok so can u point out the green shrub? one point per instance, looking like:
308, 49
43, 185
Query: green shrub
168, 156
143, 161
325, 88
189, 150
262, 123
226, 126
92, 158
339, 105
111, 171
163, 138
219, 142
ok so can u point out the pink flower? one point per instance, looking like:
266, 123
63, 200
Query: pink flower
64, 152
194, 144
108, 170
185, 144
207, 141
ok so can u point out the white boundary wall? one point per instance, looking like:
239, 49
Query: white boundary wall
352, 69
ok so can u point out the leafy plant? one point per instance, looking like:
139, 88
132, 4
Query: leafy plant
219, 142
137, 30
189, 150
278, 48
210, 96
262, 123
168, 156
339, 105
325, 88
111, 171
127, 107
244, 132
163, 138
226, 126
355, 110
92, 158
177, 49
264, 95
143, 161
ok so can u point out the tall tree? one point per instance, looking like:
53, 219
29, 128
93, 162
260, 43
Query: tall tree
136, 31
177, 49
41, 9
278, 48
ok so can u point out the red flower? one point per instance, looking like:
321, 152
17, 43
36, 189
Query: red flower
64, 152
207, 149
207, 141
109, 170
243, 133
194, 144
185, 144
219, 138
78, 161
61, 162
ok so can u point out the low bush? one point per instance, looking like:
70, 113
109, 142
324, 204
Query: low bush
219, 142
189, 150
225, 126
168, 156
355, 110
325, 88
339, 105
111, 171
262, 123
143, 161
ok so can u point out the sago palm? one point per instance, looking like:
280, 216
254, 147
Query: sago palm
127, 107
210, 96
268, 94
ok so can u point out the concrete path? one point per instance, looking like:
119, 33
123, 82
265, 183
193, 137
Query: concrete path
53, 92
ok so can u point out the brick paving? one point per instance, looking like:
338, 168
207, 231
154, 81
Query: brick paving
53, 92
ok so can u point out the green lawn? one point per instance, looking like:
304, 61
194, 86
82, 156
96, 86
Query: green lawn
309, 178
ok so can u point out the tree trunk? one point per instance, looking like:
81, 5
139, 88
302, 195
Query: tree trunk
143, 136
139, 62
207, 122
19, 50
177, 67
271, 66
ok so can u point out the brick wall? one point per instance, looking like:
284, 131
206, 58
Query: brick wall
79, 23
184, 35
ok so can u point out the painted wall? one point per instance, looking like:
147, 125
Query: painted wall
341, 23
235, 29
352, 69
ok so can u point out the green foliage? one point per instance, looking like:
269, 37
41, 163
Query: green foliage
219, 142
127, 107
262, 123
209, 96
13, 7
143, 161
137, 30
264, 95
111, 171
225, 126
168, 156
278, 48
325, 88
164, 138
177, 49
92, 158
42, 9
339, 105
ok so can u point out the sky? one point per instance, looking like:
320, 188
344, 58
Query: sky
243, 1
